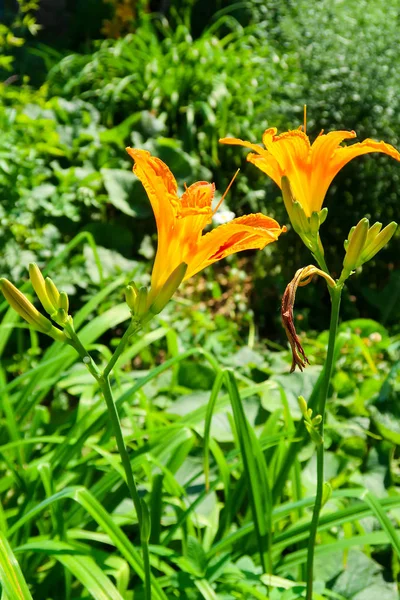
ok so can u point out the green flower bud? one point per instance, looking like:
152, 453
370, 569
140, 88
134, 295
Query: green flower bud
303, 406
141, 302
63, 302
314, 222
131, 296
27, 311
378, 242
372, 233
315, 436
322, 215
169, 288
357, 239
317, 420
52, 291
39, 286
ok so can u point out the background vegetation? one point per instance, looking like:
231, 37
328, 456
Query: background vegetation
79, 82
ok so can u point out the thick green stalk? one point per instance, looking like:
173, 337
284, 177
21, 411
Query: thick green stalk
335, 298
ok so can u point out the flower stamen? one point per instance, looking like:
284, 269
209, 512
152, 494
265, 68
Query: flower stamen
225, 192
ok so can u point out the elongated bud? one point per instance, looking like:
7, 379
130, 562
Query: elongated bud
379, 241
39, 286
314, 222
141, 302
52, 291
372, 233
357, 239
63, 302
322, 215
131, 296
169, 288
303, 406
27, 311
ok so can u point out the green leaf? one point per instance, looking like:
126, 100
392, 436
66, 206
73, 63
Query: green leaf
83, 567
11, 578
125, 192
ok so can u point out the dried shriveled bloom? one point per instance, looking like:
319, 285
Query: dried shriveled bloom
302, 277
181, 221
310, 168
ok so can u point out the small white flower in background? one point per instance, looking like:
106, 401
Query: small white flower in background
223, 216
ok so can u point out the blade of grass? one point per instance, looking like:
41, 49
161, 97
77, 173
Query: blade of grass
384, 520
256, 474
83, 567
11, 577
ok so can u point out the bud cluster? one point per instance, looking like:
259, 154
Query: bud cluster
139, 299
312, 423
55, 303
363, 243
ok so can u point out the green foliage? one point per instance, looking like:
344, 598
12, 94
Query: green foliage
64, 501
207, 449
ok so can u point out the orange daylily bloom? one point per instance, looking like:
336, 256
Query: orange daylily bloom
310, 168
181, 220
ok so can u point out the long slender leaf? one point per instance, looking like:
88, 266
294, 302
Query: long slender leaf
11, 577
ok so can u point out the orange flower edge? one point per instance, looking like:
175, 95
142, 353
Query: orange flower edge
310, 168
181, 221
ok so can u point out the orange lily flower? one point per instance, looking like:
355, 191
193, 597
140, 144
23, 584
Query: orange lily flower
310, 168
181, 220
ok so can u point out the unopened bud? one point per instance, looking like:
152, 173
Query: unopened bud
317, 420
52, 291
39, 286
357, 239
131, 296
314, 434
63, 302
372, 233
141, 302
303, 405
379, 241
169, 288
314, 222
322, 215
27, 311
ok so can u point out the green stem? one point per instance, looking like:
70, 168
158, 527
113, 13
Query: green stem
335, 298
104, 383
105, 387
76, 343
133, 328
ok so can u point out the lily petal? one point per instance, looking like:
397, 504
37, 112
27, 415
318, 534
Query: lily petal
159, 183
237, 142
250, 232
292, 150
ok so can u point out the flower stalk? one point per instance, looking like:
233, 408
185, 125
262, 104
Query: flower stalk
336, 294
